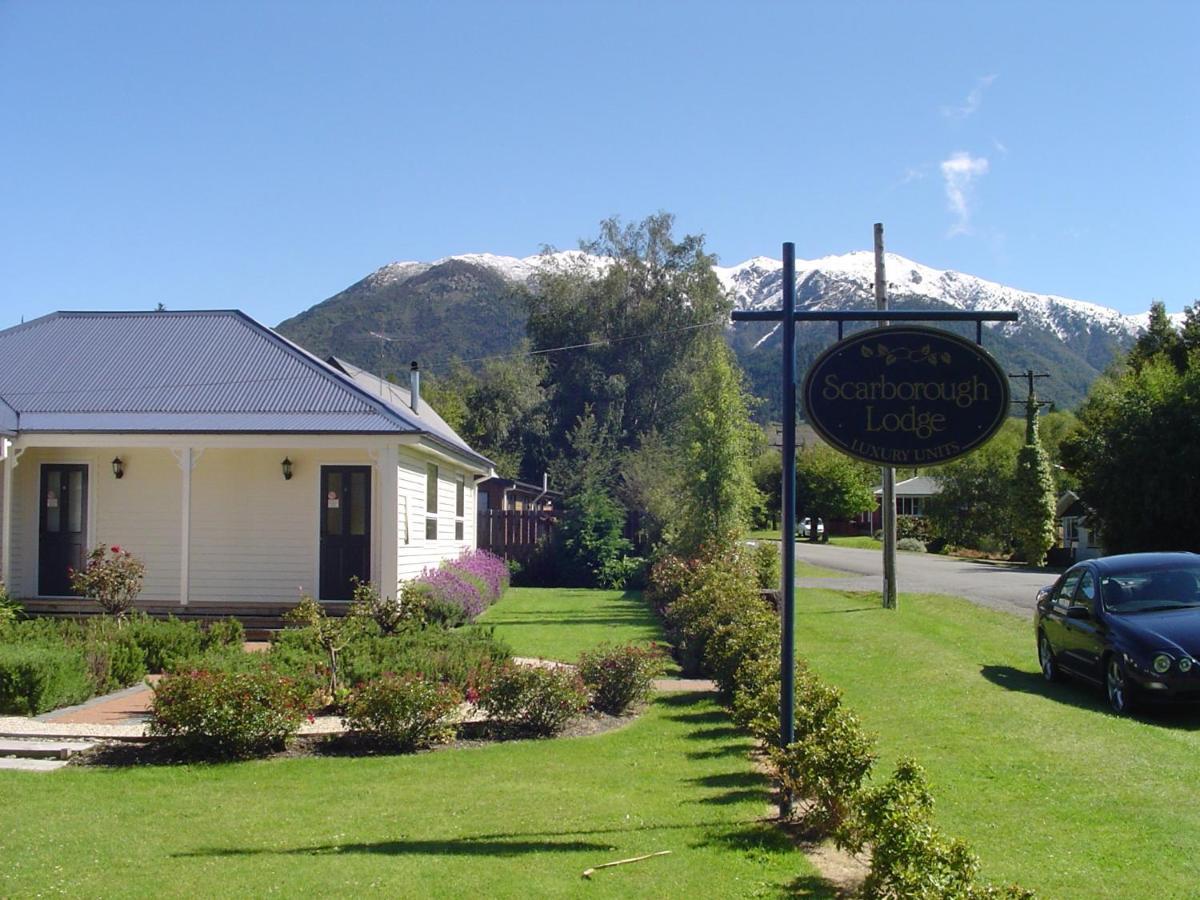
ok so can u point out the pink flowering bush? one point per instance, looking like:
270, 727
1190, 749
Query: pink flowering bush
458, 590
112, 577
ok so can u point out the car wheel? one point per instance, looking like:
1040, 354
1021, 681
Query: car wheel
1050, 670
1117, 686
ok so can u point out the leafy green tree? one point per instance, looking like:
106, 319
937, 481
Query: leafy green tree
633, 324
501, 411
1136, 453
591, 538
831, 485
1160, 339
975, 506
716, 440
767, 472
1033, 492
650, 483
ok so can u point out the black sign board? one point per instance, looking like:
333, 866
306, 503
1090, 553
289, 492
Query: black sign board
905, 396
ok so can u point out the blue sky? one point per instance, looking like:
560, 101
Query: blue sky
266, 155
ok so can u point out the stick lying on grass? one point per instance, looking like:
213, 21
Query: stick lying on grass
587, 873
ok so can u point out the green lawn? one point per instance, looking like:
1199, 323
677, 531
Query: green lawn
862, 541
560, 623
1050, 788
518, 819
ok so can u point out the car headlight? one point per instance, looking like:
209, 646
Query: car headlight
1185, 664
1161, 663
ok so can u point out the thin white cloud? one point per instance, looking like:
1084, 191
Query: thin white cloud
959, 174
973, 101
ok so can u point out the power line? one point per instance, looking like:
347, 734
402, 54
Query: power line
604, 342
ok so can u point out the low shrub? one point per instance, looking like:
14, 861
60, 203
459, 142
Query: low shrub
826, 764
35, 679
223, 633
917, 527
749, 631
452, 598
402, 712
450, 657
228, 714
112, 577
10, 610
389, 614
490, 569
622, 573
910, 856
532, 700
164, 641
768, 563
114, 657
912, 545
331, 633
619, 677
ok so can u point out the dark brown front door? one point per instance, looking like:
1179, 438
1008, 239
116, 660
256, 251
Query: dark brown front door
62, 527
345, 529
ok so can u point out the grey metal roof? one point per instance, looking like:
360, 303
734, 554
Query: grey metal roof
399, 397
191, 371
9, 420
920, 486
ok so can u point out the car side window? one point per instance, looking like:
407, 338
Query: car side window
1066, 590
1086, 595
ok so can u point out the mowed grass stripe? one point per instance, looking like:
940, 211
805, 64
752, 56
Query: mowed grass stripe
517, 819
1050, 788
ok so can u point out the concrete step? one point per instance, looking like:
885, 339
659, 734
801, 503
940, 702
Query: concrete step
30, 765
34, 748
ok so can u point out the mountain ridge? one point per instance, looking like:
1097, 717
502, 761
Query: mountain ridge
469, 306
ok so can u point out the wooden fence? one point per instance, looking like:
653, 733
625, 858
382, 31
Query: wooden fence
512, 534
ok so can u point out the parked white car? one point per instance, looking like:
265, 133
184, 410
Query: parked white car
806, 527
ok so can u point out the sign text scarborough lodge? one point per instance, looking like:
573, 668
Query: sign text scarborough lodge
906, 395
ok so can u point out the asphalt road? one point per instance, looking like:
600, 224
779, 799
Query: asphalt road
1007, 587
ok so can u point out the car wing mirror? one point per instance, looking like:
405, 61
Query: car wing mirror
1078, 612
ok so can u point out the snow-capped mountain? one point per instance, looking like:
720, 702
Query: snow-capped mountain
466, 307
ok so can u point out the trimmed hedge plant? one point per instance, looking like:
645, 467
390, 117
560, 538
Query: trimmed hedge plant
35, 679
404, 713
231, 715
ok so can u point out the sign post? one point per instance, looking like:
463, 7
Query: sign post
885, 435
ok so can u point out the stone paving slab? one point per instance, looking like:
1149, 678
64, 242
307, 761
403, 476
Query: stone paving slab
31, 765
38, 748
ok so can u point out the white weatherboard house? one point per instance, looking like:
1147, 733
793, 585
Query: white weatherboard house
240, 468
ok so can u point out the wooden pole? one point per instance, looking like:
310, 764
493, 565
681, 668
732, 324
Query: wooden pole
888, 501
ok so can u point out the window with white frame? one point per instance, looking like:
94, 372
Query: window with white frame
910, 506
431, 501
460, 505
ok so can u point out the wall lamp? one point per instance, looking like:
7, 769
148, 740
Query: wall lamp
286, 465
118, 467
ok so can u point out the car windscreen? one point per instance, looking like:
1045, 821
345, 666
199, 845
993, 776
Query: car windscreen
1151, 590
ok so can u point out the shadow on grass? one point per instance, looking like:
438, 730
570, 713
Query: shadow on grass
450, 847
1083, 695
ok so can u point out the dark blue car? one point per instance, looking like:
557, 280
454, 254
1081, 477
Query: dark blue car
1130, 624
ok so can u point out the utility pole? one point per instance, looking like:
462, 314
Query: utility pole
1031, 402
888, 500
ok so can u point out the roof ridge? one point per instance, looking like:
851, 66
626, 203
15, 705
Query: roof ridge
329, 372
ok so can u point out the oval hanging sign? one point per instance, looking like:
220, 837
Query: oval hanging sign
906, 396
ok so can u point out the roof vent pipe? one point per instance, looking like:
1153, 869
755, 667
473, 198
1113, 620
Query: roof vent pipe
414, 382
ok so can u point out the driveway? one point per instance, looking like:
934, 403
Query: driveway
1007, 587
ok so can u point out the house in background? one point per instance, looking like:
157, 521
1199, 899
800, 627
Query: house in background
240, 468
498, 493
912, 494
514, 516
1075, 535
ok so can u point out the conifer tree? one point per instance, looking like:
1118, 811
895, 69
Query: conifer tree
1033, 491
